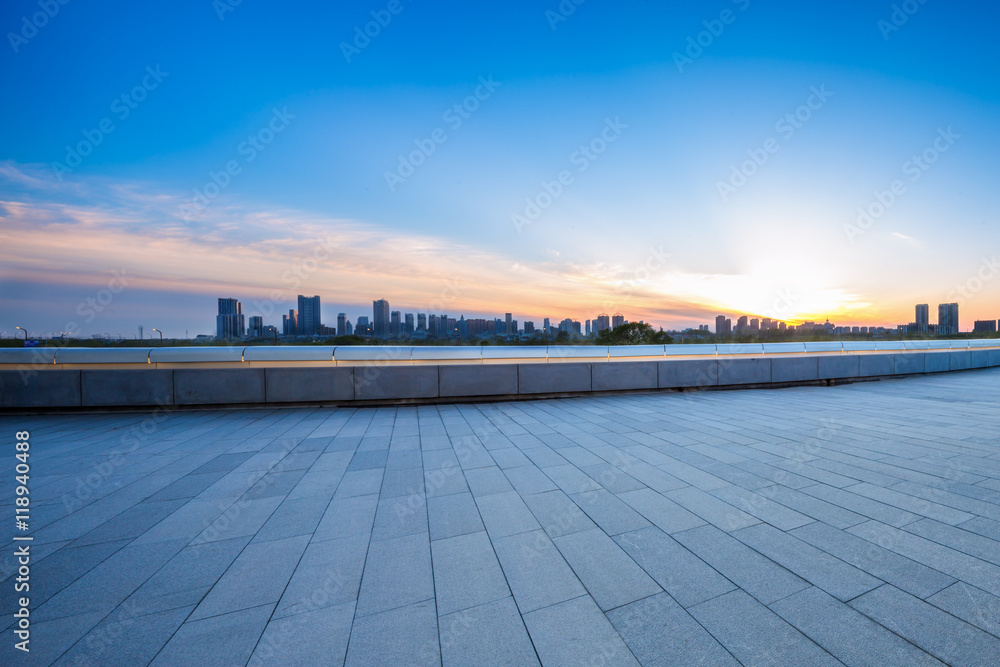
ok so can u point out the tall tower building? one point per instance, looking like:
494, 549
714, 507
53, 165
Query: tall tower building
380, 322
923, 318
309, 318
395, 324
617, 320
408, 323
602, 322
229, 322
948, 319
341, 324
256, 326
507, 329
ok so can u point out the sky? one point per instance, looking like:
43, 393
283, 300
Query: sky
670, 161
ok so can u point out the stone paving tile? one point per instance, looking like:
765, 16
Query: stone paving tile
531, 532
687, 578
536, 572
848, 635
755, 635
660, 632
493, 632
754, 573
575, 632
942, 635
833, 575
220, 640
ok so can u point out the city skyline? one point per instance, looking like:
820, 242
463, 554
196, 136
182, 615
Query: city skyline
600, 162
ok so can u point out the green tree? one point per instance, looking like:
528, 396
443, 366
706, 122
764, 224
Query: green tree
633, 333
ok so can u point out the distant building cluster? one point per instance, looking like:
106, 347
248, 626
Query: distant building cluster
388, 324
947, 325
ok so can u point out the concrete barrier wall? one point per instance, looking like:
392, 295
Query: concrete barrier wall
250, 385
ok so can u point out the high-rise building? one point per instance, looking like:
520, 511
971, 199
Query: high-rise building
444, 329
617, 320
743, 324
290, 323
395, 325
923, 320
309, 318
546, 326
432, 325
341, 324
985, 326
529, 327
363, 328
602, 322
380, 322
588, 328
948, 319
408, 324
255, 328
421, 322
507, 327
754, 325
229, 322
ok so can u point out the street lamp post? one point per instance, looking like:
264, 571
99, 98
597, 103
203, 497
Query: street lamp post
25, 332
159, 332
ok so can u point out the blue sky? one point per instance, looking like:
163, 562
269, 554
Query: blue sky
646, 226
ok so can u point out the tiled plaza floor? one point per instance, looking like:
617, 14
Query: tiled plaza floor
808, 526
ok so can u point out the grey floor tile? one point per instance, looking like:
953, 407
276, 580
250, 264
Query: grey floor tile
257, 577
397, 573
687, 578
839, 579
970, 604
660, 632
755, 635
133, 641
529, 479
466, 573
328, 574
220, 640
314, 637
610, 576
711, 509
294, 516
453, 515
908, 575
536, 572
662, 512
347, 516
935, 631
505, 514
403, 636
575, 632
848, 635
557, 514
492, 633
400, 516
609, 512
754, 573
761, 506
487, 481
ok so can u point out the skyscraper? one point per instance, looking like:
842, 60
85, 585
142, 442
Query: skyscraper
408, 324
602, 322
507, 328
256, 326
309, 317
380, 322
421, 322
341, 324
923, 318
743, 324
948, 319
229, 322
444, 330
290, 323
723, 326
617, 320
394, 324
